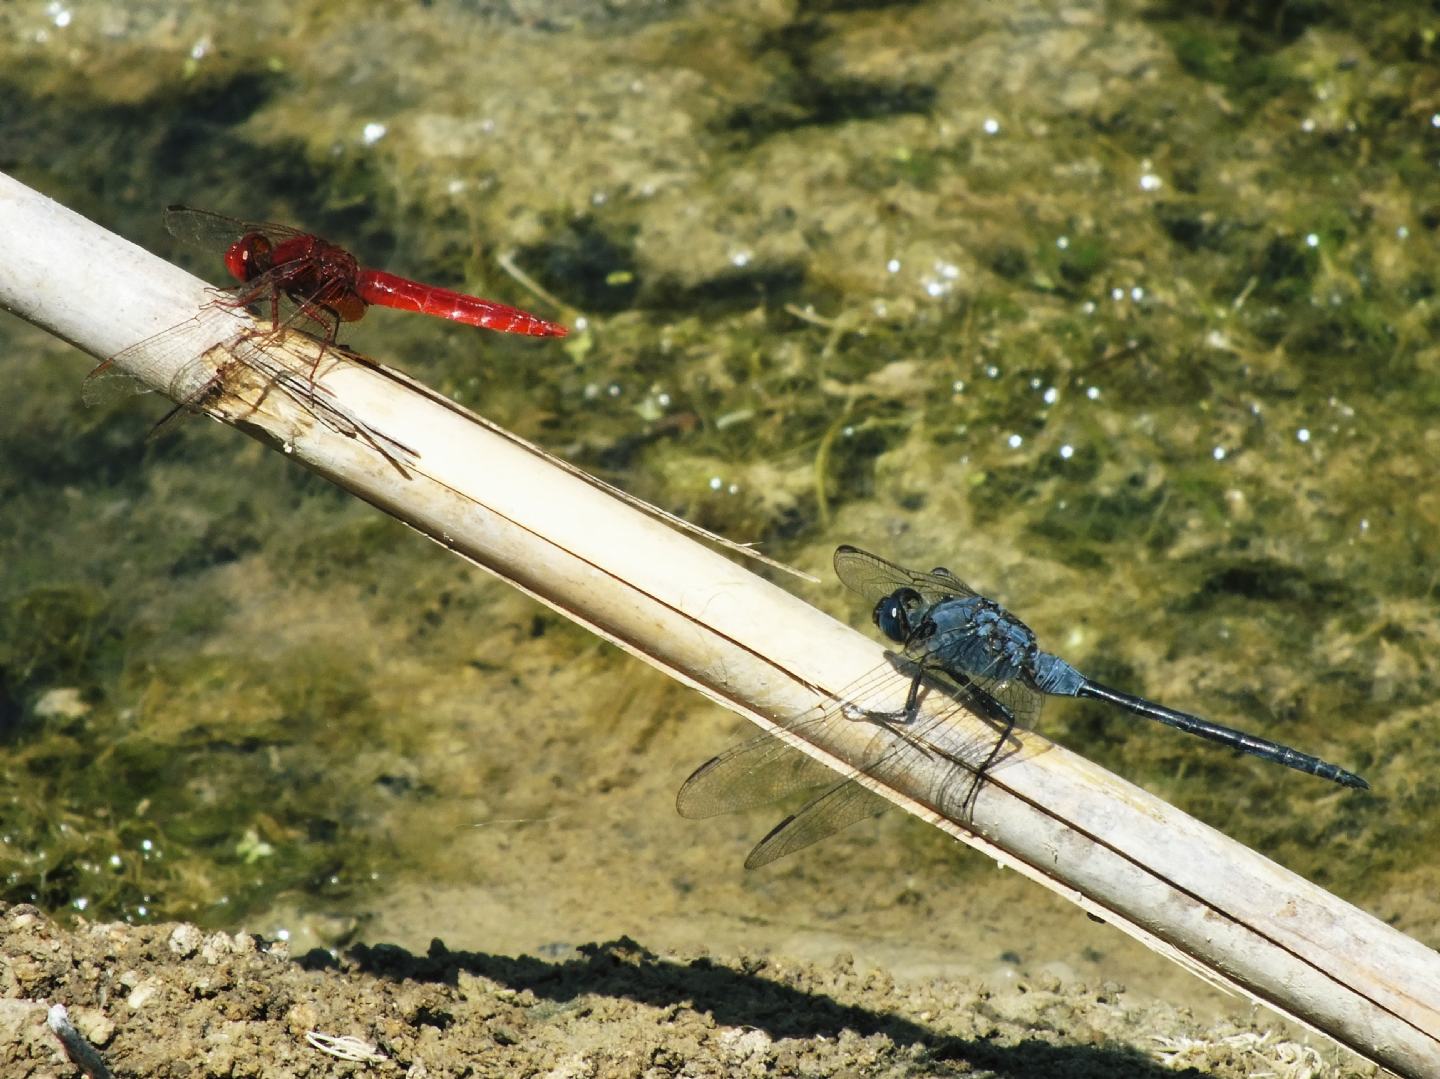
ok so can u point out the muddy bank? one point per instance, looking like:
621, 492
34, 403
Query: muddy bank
173, 1001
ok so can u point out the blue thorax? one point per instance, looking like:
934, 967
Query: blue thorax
976, 637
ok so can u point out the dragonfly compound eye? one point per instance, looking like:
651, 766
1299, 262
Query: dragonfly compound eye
892, 613
248, 257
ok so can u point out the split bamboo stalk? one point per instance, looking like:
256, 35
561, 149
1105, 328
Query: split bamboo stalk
1180, 887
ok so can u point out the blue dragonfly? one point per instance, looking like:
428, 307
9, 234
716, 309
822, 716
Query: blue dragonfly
979, 657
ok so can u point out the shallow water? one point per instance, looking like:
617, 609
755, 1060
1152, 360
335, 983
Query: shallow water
1126, 315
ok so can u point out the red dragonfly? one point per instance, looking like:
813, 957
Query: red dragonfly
320, 282
326, 283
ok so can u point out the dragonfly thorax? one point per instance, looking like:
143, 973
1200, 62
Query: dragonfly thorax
318, 276
981, 639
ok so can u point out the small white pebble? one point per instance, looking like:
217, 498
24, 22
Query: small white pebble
185, 940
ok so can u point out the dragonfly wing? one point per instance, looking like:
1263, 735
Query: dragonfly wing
874, 577
951, 788
172, 347
107, 384
1022, 702
754, 773
766, 769
844, 804
215, 232
953, 755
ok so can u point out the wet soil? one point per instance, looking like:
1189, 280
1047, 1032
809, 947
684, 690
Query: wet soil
170, 1000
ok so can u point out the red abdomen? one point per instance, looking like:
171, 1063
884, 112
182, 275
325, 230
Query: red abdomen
388, 290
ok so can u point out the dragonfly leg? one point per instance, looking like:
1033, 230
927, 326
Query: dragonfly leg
911, 712
328, 319
990, 710
1009, 720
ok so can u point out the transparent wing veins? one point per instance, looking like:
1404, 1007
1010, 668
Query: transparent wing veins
874, 577
766, 769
